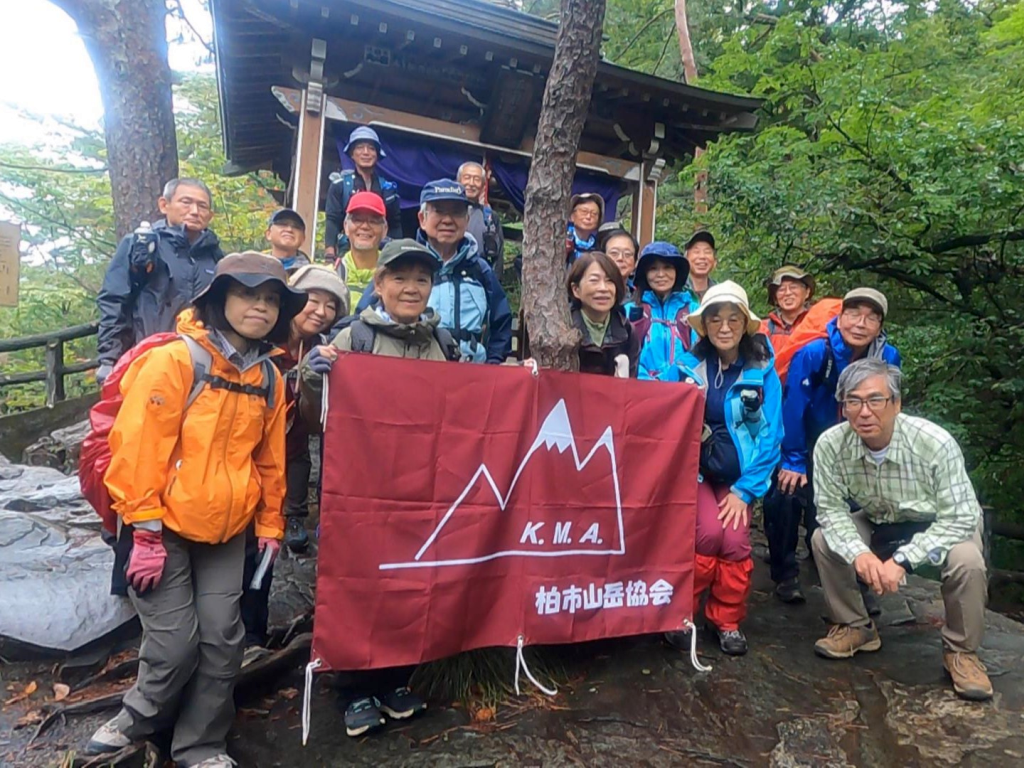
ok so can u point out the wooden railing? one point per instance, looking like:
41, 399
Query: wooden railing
56, 369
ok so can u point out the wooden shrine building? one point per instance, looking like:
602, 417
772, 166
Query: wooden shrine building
462, 77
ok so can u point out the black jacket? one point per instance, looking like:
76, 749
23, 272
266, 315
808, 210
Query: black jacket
618, 340
343, 186
143, 293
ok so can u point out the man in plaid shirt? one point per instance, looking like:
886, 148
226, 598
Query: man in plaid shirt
915, 505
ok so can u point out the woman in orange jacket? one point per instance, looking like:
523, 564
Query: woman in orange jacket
197, 453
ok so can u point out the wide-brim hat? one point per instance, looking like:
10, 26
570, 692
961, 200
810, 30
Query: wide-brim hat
315, 277
724, 293
364, 133
793, 272
252, 269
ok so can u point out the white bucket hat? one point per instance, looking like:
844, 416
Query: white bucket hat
724, 293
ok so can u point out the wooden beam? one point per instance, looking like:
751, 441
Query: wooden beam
305, 181
367, 114
645, 202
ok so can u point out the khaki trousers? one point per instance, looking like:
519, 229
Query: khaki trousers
191, 649
964, 588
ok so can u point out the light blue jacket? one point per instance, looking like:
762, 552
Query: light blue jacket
661, 346
757, 435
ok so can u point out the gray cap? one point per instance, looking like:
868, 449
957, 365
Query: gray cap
869, 295
407, 248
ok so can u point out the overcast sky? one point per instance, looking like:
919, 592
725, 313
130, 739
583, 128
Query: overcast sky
46, 69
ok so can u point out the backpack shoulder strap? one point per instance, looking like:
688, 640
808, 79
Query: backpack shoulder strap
202, 360
449, 346
683, 327
362, 337
268, 382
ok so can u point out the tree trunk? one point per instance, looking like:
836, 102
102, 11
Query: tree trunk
553, 340
127, 42
700, 193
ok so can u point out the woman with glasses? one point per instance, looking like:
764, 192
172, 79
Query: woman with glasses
732, 364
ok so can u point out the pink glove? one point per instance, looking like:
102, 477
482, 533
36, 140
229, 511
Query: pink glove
275, 546
146, 564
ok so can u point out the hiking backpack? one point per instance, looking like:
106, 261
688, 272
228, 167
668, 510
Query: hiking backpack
643, 320
814, 326
95, 455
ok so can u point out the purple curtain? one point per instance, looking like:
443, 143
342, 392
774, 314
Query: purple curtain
512, 177
411, 161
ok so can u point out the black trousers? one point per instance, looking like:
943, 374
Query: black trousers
783, 514
255, 602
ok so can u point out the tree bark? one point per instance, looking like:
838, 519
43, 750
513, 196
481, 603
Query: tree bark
127, 42
700, 186
553, 340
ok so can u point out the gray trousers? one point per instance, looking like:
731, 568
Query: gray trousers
191, 649
964, 588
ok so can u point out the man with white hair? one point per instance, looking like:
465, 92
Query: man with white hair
915, 506
484, 224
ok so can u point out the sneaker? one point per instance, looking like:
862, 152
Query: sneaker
295, 535
362, 715
108, 739
789, 591
217, 761
970, 678
843, 641
254, 653
679, 639
401, 703
732, 642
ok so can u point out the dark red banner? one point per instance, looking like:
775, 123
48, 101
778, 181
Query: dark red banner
464, 506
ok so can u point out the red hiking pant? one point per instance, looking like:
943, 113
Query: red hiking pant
723, 564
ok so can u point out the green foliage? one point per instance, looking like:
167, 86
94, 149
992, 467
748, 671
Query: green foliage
60, 190
890, 153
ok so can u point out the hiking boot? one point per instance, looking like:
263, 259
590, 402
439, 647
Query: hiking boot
295, 535
843, 640
401, 703
362, 715
679, 639
108, 739
789, 591
217, 761
970, 680
731, 641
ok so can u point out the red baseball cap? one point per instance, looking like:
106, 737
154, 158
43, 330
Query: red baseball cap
366, 201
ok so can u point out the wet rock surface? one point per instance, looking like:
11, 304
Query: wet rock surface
635, 701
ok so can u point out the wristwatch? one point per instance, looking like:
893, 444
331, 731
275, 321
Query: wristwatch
901, 560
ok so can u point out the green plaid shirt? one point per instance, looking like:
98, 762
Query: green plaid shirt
921, 479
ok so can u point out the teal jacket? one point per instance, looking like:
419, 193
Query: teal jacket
756, 433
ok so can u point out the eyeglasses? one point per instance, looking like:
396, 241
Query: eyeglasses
870, 320
876, 403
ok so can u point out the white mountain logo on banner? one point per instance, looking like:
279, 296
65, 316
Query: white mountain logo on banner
538, 538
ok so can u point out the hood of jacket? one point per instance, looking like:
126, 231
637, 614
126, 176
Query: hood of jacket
679, 261
420, 332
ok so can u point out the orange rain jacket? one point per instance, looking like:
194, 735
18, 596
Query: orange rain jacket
205, 472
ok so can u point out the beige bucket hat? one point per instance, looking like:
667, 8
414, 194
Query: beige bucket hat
724, 293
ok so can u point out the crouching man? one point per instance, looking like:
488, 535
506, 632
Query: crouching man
916, 507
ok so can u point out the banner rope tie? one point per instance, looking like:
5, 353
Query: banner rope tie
324, 400
532, 365
693, 648
521, 664
307, 695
